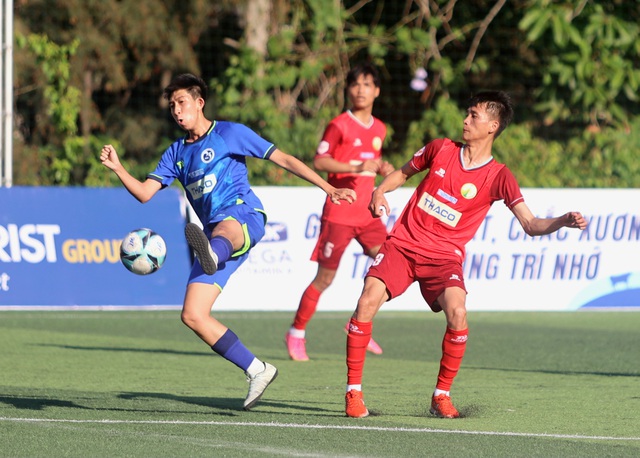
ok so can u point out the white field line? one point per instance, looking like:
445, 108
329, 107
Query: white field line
328, 427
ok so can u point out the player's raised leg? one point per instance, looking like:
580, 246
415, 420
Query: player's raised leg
210, 253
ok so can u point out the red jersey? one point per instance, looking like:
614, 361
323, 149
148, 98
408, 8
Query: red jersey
347, 140
451, 202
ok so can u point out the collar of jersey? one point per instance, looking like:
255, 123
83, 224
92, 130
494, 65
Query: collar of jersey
213, 124
360, 122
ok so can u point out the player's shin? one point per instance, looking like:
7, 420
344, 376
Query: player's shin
357, 341
232, 349
454, 345
307, 307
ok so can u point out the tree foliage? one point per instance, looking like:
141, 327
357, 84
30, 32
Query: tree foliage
591, 56
92, 71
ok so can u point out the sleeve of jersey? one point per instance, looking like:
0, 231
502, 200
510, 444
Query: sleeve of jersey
508, 188
423, 158
165, 170
244, 141
330, 139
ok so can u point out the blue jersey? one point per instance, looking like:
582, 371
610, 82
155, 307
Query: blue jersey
213, 169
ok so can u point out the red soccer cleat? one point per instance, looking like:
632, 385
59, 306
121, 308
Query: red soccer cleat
441, 406
354, 405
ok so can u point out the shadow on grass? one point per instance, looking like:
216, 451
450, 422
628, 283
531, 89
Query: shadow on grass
220, 407
31, 403
217, 403
224, 403
42, 403
133, 350
556, 372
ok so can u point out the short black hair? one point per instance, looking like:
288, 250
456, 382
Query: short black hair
194, 85
363, 69
498, 104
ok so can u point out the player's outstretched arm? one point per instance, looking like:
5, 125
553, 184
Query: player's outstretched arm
378, 204
540, 226
143, 191
300, 169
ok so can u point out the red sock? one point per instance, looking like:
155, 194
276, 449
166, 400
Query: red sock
453, 347
357, 341
307, 307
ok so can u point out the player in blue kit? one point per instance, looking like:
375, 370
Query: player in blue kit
210, 163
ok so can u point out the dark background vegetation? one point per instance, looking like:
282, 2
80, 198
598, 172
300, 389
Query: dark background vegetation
90, 72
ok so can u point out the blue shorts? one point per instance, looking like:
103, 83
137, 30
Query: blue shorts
253, 222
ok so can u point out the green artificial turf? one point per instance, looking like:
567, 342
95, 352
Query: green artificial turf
140, 384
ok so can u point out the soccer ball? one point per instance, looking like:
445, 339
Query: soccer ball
143, 251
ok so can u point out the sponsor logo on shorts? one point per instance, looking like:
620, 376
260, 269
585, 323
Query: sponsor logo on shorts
454, 277
439, 210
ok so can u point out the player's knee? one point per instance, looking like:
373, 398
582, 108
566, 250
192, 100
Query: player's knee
190, 319
457, 318
367, 308
322, 283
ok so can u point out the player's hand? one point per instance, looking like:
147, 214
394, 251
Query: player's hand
378, 205
343, 194
575, 219
370, 166
385, 168
109, 157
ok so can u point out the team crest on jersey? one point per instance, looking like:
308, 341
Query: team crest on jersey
469, 190
376, 143
207, 155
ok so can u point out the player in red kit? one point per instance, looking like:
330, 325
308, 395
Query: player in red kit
351, 153
427, 243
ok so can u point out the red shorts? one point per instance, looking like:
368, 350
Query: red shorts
334, 239
397, 269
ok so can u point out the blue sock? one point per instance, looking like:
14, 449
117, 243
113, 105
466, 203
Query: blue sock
231, 349
222, 247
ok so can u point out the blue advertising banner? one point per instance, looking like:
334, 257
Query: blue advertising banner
59, 247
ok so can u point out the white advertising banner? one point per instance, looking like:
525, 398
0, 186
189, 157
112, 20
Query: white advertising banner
505, 269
